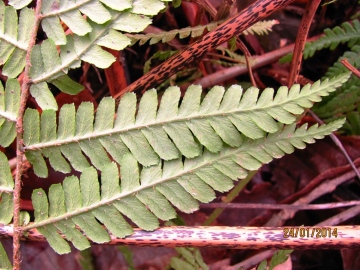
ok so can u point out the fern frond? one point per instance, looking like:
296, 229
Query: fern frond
345, 33
144, 194
261, 28
190, 258
167, 36
6, 189
338, 68
14, 38
347, 98
237, 57
345, 102
9, 107
161, 55
48, 66
98, 11
4, 260
166, 133
106, 18
352, 124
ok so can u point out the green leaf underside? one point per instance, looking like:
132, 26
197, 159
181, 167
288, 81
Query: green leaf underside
97, 11
9, 107
190, 258
144, 194
220, 119
14, 38
4, 260
86, 48
6, 189
105, 18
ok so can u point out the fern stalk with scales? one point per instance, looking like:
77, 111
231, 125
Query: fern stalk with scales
221, 137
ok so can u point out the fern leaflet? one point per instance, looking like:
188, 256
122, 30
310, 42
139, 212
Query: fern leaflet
9, 107
345, 33
14, 38
260, 28
144, 194
346, 101
6, 189
167, 132
4, 260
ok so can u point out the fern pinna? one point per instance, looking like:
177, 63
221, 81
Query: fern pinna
222, 137
134, 162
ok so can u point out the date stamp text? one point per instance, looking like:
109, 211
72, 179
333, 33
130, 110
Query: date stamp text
309, 232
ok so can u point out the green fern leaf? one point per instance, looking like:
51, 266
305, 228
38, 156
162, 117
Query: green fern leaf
86, 48
167, 36
98, 11
144, 194
261, 28
45, 58
106, 18
9, 107
14, 38
345, 33
190, 259
168, 132
346, 100
6, 189
4, 260
19, 4
352, 56
161, 55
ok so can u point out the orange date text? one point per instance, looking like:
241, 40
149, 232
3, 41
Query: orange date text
309, 232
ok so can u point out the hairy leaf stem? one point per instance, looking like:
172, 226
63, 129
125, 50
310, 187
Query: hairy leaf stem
18, 231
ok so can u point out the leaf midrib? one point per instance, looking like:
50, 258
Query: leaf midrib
95, 135
222, 155
66, 65
66, 9
14, 42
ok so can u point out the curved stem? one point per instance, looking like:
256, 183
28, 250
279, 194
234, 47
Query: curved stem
301, 40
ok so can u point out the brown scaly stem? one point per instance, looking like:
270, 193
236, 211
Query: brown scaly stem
232, 27
19, 140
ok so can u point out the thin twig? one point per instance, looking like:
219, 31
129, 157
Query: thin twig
247, 55
350, 67
325, 188
338, 144
301, 40
19, 139
232, 72
280, 206
341, 217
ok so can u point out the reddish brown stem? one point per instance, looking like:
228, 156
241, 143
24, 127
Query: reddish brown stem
350, 67
301, 40
19, 140
234, 26
233, 237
